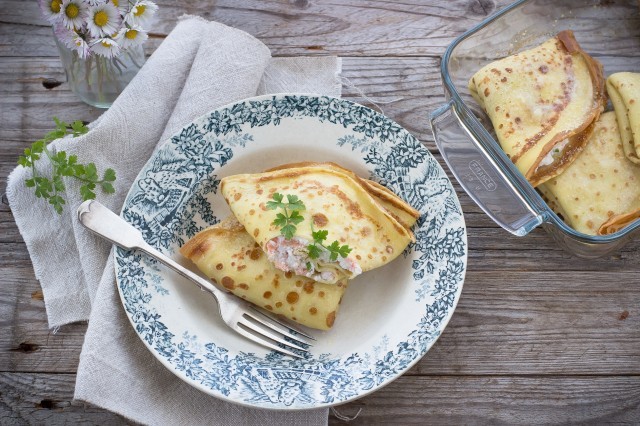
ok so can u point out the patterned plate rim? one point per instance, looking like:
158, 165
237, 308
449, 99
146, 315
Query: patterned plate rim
441, 320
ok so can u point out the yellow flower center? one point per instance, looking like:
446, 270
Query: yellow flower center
116, 3
101, 18
140, 10
55, 6
131, 34
72, 11
105, 44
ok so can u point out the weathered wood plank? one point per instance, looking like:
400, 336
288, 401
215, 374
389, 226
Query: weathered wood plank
40, 398
47, 399
375, 28
500, 400
406, 89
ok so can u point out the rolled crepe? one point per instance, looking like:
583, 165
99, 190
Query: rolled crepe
599, 193
232, 259
542, 103
624, 90
335, 203
395, 206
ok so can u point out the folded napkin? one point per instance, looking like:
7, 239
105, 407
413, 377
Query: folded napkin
201, 65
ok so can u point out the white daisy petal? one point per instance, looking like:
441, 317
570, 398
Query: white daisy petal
141, 13
103, 20
80, 46
64, 34
122, 5
105, 47
73, 13
130, 37
51, 10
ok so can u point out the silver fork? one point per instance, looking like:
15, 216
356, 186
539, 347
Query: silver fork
242, 317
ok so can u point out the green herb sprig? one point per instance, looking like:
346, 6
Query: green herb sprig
334, 249
291, 217
51, 188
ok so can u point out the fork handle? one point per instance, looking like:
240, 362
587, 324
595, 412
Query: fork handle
108, 225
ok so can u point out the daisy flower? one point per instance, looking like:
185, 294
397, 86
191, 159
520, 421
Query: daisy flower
80, 46
64, 34
105, 47
51, 9
141, 13
72, 12
103, 20
122, 5
129, 37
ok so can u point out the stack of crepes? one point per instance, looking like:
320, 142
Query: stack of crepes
248, 255
546, 105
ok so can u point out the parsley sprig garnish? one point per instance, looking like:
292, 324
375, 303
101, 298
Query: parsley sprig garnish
63, 165
291, 217
334, 249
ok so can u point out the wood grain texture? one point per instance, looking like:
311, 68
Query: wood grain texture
442, 400
538, 336
28, 399
347, 28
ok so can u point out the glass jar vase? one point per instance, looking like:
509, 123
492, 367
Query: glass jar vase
98, 80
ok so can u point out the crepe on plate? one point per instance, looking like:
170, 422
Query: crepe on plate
599, 193
542, 103
231, 258
624, 91
335, 202
395, 206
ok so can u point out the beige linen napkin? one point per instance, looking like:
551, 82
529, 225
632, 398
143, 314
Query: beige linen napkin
200, 66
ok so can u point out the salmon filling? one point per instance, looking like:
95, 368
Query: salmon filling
292, 255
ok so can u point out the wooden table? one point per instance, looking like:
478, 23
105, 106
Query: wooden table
538, 336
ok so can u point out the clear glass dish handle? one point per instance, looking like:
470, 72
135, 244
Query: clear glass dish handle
478, 174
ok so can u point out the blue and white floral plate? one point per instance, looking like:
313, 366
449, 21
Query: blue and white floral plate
388, 318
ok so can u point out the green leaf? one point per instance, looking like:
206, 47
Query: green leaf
288, 231
277, 197
43, 188
314, 251
78, 169
320, 236
335, 246
78, 128
30, 183
91, 173
296, 217
272, 205
38, 146
58, 184
280, 220
108, 188
345, 250
87, 193
109, 175
57, 202
23, 161
294, 203
334, 249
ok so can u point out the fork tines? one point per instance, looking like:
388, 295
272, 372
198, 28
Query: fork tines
273, 334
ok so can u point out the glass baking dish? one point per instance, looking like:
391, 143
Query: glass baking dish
608, 30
